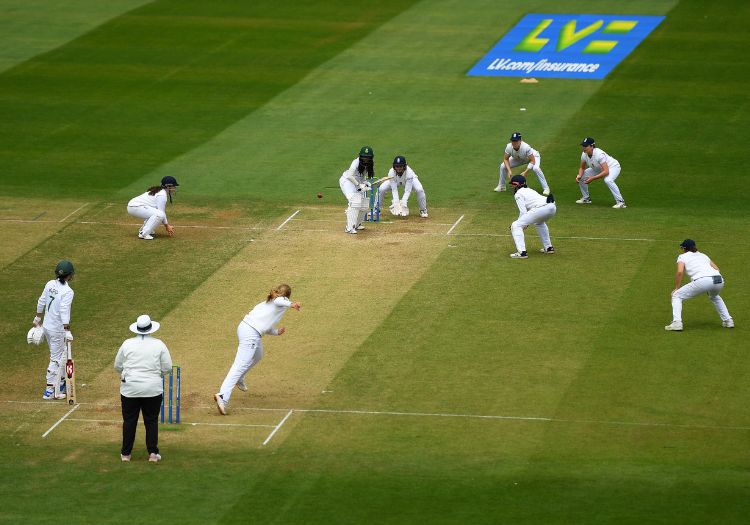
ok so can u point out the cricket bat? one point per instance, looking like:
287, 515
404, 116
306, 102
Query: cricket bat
70, 376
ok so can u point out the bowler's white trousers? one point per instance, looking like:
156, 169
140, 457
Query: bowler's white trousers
538, 217
249, 354
697, 287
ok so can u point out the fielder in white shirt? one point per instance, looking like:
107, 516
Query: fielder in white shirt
596, 164
142, 361
535, 209
355, 185
705, 278
403, 176
254, 325
152, 207
517, 152
54, 306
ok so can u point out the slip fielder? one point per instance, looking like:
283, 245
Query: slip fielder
596, 164
517, 152
535, 209
152, 207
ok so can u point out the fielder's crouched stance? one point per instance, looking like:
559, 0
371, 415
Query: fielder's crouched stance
258, 322
535, 209
402, 175
152, 207
354, 185
705, 278
54, 305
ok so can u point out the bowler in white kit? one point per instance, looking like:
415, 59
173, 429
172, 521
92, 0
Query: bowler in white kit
259, 322
704, 278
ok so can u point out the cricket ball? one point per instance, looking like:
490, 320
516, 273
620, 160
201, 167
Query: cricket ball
320, 195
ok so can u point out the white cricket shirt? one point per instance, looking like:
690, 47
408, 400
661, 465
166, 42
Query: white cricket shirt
265, 315
55, 302
697, 265
158, 201
406, 179
597, 158
141, 362
522, 155
528, 199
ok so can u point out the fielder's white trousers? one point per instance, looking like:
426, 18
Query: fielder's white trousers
153, 217
701, 285
609, 180
416, 188
538, 217
58, 354
249, 354
358, 204
537, 168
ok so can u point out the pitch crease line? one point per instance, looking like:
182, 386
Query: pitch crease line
277, 427
74, 212
455, 224
288, 219
197, 423
76, 407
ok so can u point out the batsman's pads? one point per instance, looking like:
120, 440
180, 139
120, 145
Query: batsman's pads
35, 335
550, 198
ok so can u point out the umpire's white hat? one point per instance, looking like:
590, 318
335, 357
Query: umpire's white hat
144, 325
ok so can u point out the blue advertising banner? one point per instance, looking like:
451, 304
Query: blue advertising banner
565, 46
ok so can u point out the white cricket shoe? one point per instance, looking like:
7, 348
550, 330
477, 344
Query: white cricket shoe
154, 458
241, 385
145, 237
550, 250
619, 205
583, 200
545, 192
729, 323
220, 404
360, 227
423, 214
124, 458
519, 255
674, 326
352, 231
499, 188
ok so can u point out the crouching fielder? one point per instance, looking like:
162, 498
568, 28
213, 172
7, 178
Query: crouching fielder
705, 278
517, 152
535, 209
152, 207
402, 175
354, 185
258, 322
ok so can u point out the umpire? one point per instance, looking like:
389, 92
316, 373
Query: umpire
142, 362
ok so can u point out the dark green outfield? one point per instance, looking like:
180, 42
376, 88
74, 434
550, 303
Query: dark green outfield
648, 426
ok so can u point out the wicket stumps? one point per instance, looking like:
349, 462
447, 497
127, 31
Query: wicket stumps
373, 214
174, 374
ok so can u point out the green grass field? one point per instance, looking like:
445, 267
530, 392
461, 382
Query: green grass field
428, 378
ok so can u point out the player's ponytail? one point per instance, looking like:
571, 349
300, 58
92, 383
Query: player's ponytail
153, 190
282, 290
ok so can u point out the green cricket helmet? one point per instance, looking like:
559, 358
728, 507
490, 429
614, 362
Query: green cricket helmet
64, 268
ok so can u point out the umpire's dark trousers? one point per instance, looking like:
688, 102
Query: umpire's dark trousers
131, 408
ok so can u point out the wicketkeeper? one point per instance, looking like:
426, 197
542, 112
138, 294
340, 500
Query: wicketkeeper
402, 175
54, 307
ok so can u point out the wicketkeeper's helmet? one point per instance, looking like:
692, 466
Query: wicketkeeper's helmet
399, 161
518, 180
64, 268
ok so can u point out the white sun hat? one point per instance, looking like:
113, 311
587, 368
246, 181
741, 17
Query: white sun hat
144, 325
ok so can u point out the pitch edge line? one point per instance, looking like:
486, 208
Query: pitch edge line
61, 420
277, 427
197, 423
74, 212
288, 219
455, 224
